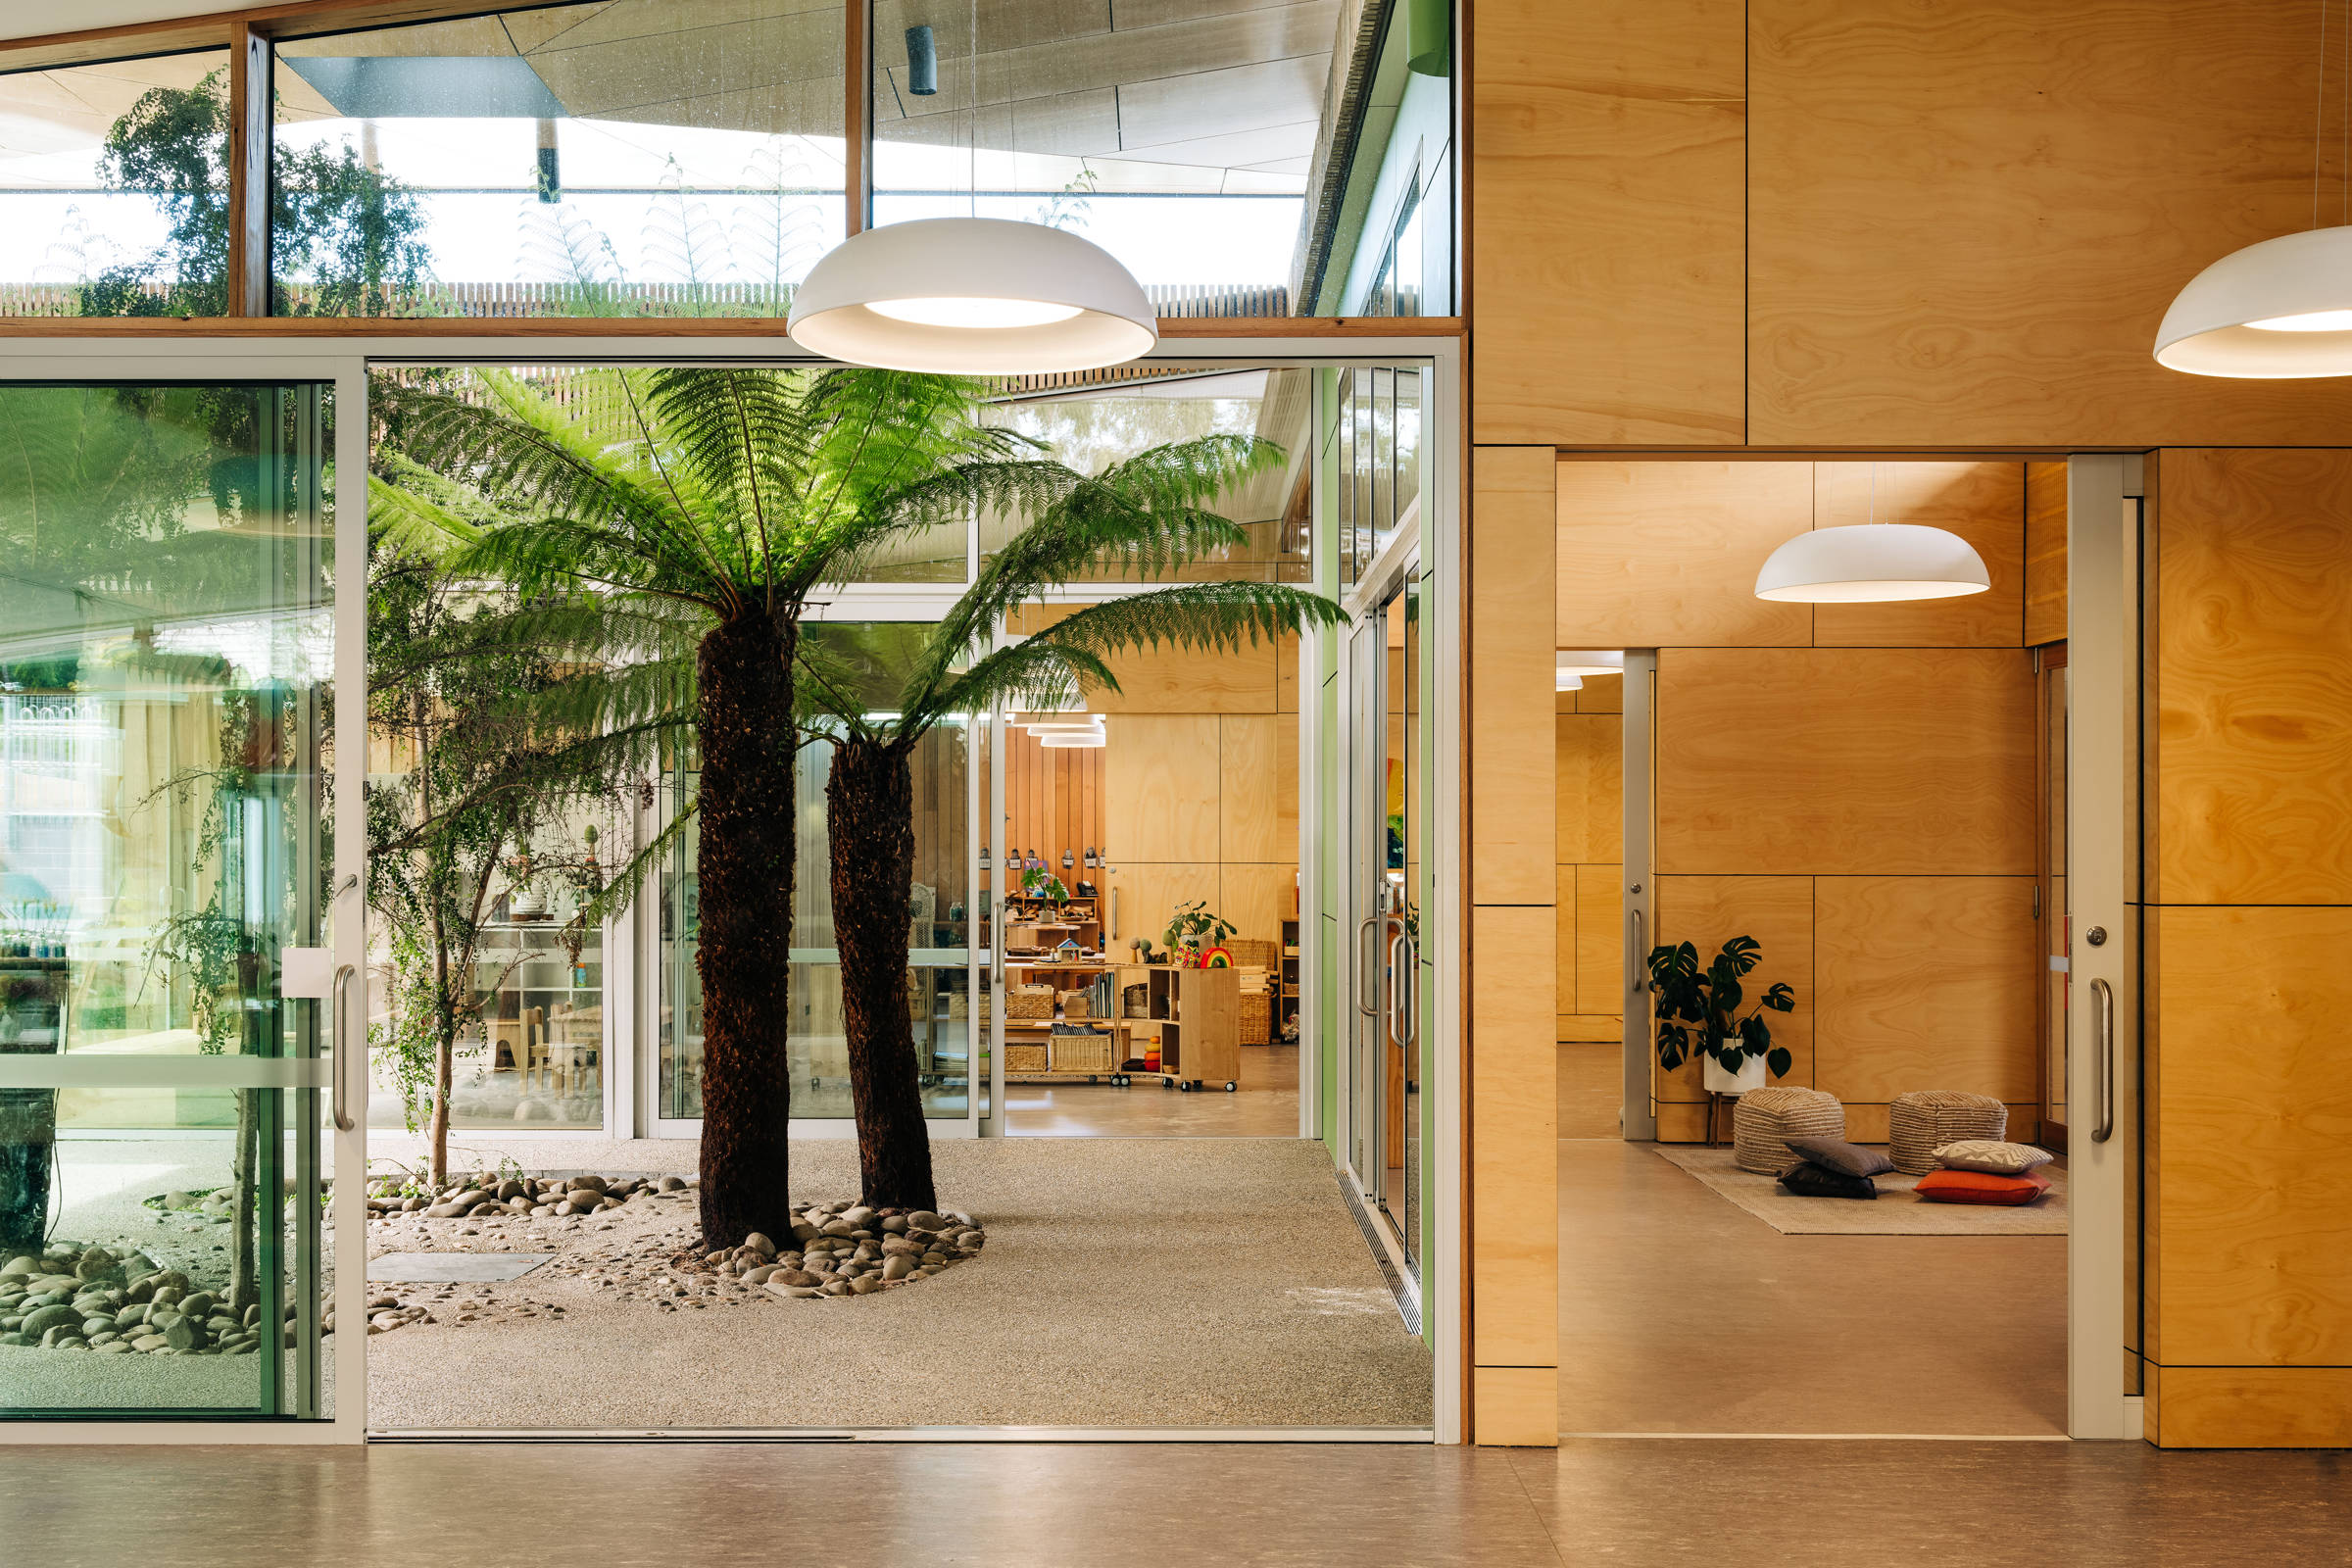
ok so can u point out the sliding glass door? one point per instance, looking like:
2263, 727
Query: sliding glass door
168, 647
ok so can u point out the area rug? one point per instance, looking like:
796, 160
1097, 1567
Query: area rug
1896, 1211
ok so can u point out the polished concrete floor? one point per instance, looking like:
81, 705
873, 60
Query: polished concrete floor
1265, 1105
1630, 1503
1680, 1313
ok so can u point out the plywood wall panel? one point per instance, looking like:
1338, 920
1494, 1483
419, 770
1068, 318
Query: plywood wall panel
1514, 800
1925, 983
2255, 1097
2253, 722
2251, 1407
1984, 503
1250, 787
1656, 554
1565, 938
1148, 892
1599, 694
1176, 680
1162, 787
1589, 748
1778, 912
1601, 926
1514, 1151
1605, 189
2045, 552
1257, 898
1835, 761
1966, 222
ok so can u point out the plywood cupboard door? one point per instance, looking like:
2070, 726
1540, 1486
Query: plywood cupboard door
1286, 789
1589, 749
1836, 761
1708, 912
2251, 1407
1966, 222
1606, 260
2253, 679
1161, 782
1286, 674
1513, 787
2045, 552
1601, 694
1565, 934
1666, 554
1984, 503
2254, 1093
1257, 898
1150, 892
1173, 680
1925, 983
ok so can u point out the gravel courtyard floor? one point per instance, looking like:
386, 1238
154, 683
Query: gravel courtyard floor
1126, 1282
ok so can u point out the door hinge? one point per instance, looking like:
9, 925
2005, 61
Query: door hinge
2036, 900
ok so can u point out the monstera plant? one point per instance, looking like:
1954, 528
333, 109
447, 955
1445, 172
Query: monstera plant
1698, 1009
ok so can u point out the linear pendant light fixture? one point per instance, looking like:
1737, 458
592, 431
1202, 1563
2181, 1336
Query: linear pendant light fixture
2279, 309
1873, 563
973, 295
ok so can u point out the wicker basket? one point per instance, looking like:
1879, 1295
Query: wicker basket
1924, 1121
1257, 1017
1024, 1059
1029, 1002
1765, 1117
1137, 1000
1082, 1053
1250, 953
1073, 1004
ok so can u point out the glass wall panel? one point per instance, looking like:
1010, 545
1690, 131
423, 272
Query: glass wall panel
1122, 413
604, 159
1377, 434
165, 636
1180, 135
114, 180
939, 977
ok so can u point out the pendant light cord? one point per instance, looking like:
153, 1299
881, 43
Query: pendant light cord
2319, 114
972, 194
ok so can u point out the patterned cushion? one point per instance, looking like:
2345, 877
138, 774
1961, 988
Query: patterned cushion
1978, 1187
1998, 1159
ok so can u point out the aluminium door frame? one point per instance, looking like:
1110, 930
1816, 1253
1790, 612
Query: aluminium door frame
346, 361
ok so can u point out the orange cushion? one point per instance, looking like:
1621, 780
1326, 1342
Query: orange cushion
1982, 1187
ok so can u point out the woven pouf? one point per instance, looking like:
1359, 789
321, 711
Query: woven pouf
1766, 1118
1924, 1121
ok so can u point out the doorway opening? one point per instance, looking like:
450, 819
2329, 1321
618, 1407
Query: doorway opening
1851, 801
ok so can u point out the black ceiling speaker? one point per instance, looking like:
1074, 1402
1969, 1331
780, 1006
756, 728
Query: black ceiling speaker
922, 63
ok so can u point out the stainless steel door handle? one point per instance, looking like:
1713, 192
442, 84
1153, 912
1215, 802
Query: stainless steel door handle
1637, 983
2103, 996
1405, 1009
1370, 1010
336, 1033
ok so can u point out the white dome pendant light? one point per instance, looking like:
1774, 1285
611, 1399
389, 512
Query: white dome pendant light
1873, 563
2280, 309
972, 296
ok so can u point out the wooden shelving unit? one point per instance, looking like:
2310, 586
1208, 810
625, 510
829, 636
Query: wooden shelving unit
1197, 1016
1286, 996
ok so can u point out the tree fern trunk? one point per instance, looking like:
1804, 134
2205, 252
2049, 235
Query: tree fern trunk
742, 870
870, 812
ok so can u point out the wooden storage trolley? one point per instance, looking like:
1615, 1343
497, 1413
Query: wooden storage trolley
1198, 1016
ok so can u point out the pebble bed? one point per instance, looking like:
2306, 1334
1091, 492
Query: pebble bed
73, 1296
609, 1231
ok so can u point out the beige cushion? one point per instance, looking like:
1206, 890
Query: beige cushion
1993, 1158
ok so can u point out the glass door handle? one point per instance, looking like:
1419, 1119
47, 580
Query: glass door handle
1370, 1010
336, 1033
1404, 1002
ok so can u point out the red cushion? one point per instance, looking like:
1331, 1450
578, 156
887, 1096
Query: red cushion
1982, 1187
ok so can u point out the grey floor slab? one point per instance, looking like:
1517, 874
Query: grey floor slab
462, 1268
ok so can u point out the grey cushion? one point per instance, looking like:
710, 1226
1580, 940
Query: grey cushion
1835, 1154
1993, 1157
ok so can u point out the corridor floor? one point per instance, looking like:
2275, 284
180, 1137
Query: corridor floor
1681, 1313
1629, 1504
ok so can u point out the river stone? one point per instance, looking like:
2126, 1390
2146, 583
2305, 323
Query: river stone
22, 1263
859, 1217
759, 1243
197, 1303
922, 1219
836, 1287
836, 1227
761, 1275
149, 1341
184, 1334
898, 1266
509, 1189
92, 1327
41, 1321
864, 1285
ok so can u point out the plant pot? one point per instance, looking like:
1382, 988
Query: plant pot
1751, 1075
